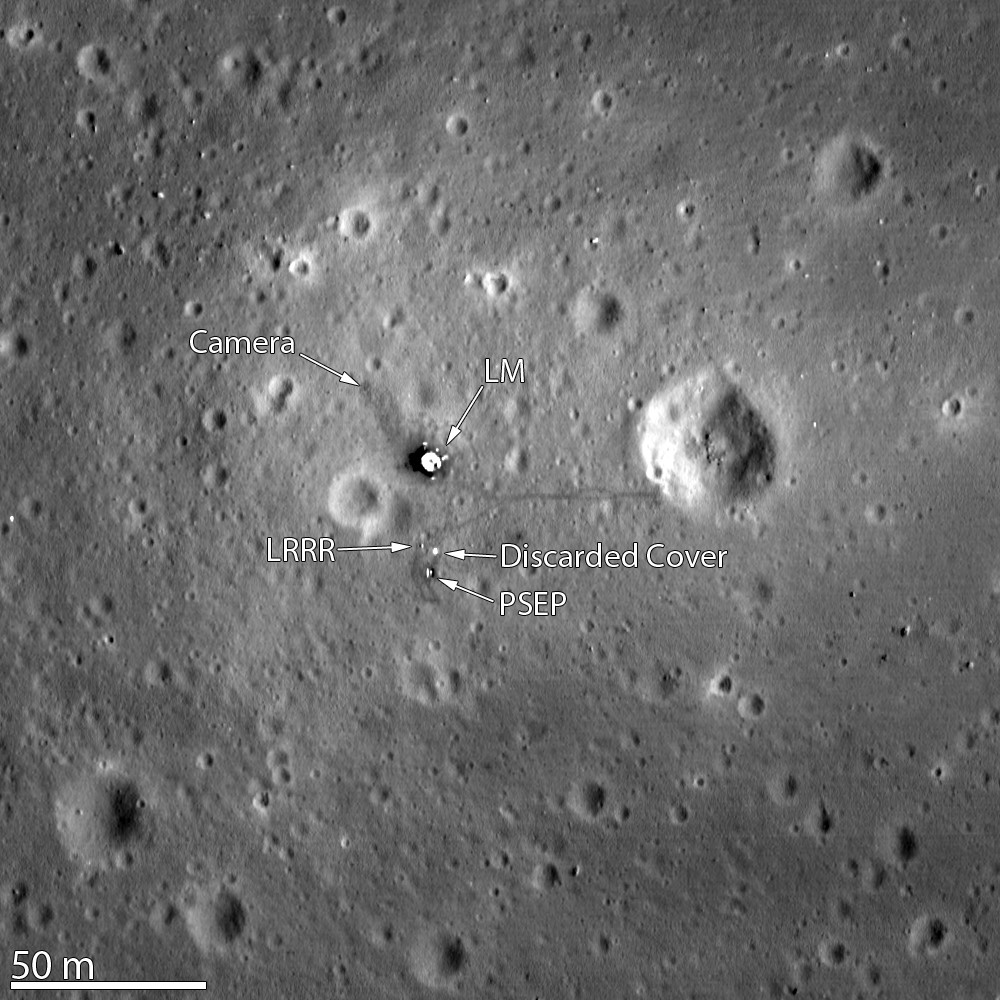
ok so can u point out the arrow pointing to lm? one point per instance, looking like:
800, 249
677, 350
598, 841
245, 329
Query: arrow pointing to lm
453, 585
462, 554
391, 547
456, 429
343, 376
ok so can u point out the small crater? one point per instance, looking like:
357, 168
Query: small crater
819, 821
686, 210
142, 108
430, 682
93, 63
214, 476
783, 787
596, 311
516, 461
587, 800
654, 683
239, 69
301, 266
832, 952
120, 336
354, 498
456, 125
750, 705
279, 393
438, 959
902, 845
123, 811
495, 284
901, 44
872, 875
86, 119
214, 419
877, 514
354, 225
215, 919
100, 820
848, 169
602, 103
545, 877
721, 685
362, 501
14, 893
678, 813
929, 936
14, 345
951, 407
24, 35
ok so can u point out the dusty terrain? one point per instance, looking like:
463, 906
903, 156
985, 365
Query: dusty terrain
746, 253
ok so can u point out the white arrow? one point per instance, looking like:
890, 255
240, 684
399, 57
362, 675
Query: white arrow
453, 585
456, 429
391, 547
343, 376
462, 554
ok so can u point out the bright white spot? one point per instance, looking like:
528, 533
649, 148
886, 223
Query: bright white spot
430, 462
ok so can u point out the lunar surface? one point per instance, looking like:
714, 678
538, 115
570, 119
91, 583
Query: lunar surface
500, 501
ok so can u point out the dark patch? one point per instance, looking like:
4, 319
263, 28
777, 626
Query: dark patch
864, 170
785, 788
214, 419
124, 812
836, 953
609, 311
937, 931
668, 682
229, 915
819, 821
120, 336
156, 253
904, 845
102, 61
763, 590
241, 69
593, 798
453, 956
549, 876
929, 936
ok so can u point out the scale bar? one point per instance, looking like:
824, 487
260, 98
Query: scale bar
86, 984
